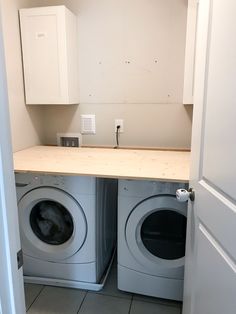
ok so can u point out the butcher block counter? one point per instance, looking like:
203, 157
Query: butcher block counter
105, 162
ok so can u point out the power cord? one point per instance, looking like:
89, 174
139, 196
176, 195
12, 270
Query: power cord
117, 136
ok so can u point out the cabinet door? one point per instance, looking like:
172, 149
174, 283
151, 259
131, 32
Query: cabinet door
45, 35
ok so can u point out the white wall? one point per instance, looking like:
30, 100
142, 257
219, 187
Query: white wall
159, 125
147, 92
26, 122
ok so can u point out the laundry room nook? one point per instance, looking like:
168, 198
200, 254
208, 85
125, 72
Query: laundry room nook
114, 110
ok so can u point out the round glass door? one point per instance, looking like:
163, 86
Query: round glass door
51, 222
163, 234
155, 234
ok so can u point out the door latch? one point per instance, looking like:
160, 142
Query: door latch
20, 258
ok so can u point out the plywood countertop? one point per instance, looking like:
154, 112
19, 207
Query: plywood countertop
102, 162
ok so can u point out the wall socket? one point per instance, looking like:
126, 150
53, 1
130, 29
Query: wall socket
69, 139
121, 123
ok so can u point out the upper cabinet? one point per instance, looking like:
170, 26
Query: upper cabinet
190, 52
50, 58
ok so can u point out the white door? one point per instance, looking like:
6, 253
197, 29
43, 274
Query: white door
11, 278
210, 278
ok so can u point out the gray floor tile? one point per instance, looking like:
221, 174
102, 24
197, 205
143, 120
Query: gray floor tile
110, 287
144, 298
56, 300
139, 307
31, 293
103, 304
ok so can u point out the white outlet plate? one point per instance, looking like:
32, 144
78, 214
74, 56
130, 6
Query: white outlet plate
60, 135
121, 123
88, 125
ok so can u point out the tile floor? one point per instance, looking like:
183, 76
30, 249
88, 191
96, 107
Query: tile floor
54, 300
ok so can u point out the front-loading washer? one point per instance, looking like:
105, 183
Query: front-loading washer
67, 228
151, 238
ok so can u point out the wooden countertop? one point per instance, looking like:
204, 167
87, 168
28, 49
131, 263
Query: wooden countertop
102, 162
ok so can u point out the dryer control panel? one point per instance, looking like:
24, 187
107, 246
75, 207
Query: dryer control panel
24, 179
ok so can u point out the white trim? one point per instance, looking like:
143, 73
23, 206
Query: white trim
11, 279
190, 55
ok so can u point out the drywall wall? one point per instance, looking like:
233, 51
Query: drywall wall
26, 122
147, 125
131, 66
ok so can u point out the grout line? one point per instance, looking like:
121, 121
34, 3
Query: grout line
37, 296
128, 297
82, 302
166, 304
131, 304
171, 304
177, 306
159, 303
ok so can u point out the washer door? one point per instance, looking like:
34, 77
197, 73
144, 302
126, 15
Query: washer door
156, 232
52, 224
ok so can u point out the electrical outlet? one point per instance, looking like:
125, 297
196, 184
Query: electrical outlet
119, 122
69, 139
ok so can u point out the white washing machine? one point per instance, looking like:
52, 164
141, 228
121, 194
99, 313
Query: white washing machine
67, 227
151, 238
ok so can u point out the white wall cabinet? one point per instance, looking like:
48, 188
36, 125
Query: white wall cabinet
49, 47
190, 52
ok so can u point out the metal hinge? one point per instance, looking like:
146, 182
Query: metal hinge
20, 259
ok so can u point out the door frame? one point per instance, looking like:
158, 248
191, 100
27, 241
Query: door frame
11, 278
202, 43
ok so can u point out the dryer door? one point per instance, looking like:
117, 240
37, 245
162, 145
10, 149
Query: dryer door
156, 232
52, 224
